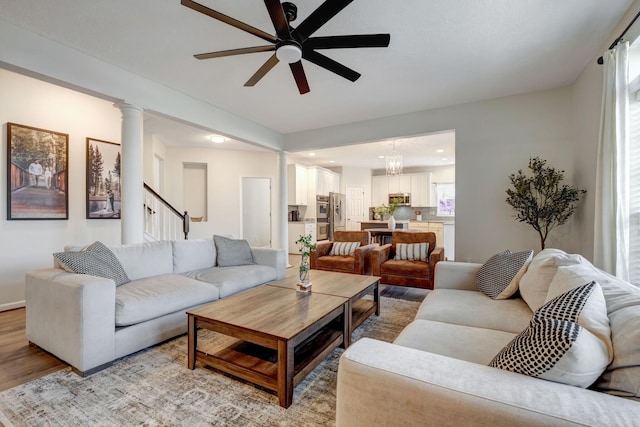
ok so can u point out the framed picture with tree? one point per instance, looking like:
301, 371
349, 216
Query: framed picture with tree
37, 173
103, 179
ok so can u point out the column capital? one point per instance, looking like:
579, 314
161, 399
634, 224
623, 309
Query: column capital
123, 105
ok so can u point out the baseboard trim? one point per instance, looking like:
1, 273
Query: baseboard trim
12, 305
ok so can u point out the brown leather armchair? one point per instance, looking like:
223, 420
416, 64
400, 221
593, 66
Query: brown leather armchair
418, 274
358, 263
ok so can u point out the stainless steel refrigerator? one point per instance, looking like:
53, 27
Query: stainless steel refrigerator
337, 213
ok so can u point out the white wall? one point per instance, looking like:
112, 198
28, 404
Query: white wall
493, 139
225, 169
28, 244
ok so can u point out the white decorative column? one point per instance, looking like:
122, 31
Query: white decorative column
282, 197
131, 207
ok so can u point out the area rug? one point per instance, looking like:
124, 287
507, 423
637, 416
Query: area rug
154, 388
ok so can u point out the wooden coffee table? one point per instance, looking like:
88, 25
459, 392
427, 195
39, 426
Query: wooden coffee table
280, 335
351, 286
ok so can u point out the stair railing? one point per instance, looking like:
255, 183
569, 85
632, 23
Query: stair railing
161, 220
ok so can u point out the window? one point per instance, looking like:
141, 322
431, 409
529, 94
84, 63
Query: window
634, 164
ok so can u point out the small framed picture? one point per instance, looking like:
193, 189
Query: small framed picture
37, 173
103, 179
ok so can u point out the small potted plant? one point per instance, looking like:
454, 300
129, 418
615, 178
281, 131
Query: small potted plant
305, 245
418, 215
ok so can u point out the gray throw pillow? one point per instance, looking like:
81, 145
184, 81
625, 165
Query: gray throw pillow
96, 260
233, 252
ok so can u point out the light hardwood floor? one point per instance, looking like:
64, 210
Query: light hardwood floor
21, 363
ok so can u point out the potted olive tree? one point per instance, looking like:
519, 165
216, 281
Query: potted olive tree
542, 200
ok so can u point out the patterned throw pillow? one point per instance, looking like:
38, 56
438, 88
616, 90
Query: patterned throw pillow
412, 251
555, 348
344, 248
96, 260
496, 277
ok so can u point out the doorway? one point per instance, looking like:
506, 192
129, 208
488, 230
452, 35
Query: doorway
355, 206
256, 211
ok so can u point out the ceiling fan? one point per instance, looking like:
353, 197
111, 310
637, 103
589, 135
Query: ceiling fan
291, 44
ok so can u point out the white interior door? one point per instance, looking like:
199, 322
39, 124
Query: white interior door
355, 207
256, 211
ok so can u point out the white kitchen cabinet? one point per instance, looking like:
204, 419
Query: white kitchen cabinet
327, 181
399, 184
297, 229
421, 189
297, 185
379, 190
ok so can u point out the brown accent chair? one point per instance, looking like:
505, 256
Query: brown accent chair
418, 274
358, 263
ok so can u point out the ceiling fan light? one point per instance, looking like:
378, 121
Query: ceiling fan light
289, 53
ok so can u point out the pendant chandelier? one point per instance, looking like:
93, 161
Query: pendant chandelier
394, 162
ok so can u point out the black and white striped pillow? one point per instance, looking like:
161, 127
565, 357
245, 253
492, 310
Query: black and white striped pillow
496, 276
555, 348
344, 248
96, 260
412, 251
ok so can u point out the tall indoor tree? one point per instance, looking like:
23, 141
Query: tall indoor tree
542, 200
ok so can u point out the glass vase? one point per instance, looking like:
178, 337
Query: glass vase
304, 280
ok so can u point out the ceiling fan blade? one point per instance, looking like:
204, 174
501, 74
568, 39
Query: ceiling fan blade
232, 52
301, 78
319, 17
228, 20
345, 42
329, 64
266, 67
276, 12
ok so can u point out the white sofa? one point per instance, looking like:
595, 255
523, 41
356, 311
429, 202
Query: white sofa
436, 372
89, 322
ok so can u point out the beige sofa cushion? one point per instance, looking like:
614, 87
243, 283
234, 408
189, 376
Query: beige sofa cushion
473, 308
194, 254
468, 343
231, 280
534, 284
142, 260
149, 298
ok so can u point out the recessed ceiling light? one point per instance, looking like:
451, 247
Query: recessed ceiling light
332, 161
217, 139
445, 158
381, 157
312, 154
440, 150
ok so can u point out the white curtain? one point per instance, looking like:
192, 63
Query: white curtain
611, 251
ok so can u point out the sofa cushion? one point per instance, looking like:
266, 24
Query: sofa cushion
344, 248
233, 252
593, 315
231, 280
149, 298
534, 284
473, 308
142, 260
498, 278
193, 254
337, 263
468, 343
556, 348
412, 251
405, 268
96, 260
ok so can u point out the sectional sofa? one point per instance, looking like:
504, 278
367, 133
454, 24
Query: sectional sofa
89, 321
437, 371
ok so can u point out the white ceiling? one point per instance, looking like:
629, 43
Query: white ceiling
442, 52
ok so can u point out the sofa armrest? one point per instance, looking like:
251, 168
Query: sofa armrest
456, 275
362, 257
378, 256
276, 258
381, 383
322, 249
72, 316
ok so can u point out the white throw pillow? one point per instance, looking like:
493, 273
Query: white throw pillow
412, 251
344, 248
498, 277
554, 346
534, 284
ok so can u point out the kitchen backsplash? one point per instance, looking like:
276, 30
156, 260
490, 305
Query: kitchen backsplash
409, 213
